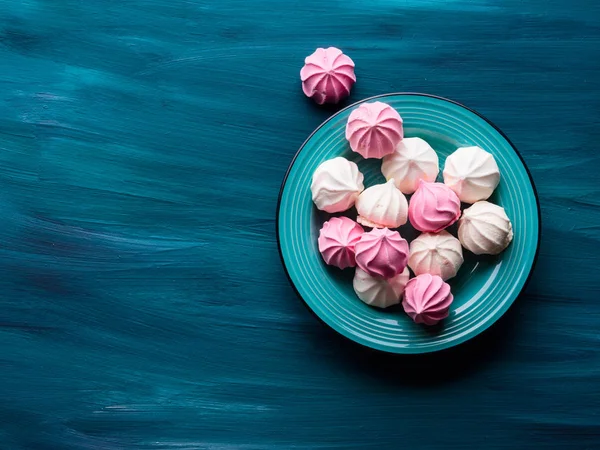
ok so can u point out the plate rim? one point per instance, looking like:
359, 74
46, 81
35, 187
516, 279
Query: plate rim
452, 344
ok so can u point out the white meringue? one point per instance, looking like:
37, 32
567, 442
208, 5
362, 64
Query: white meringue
382, 206
472, 173
379, 292
336, 184
485, 229
436, 254
413, 160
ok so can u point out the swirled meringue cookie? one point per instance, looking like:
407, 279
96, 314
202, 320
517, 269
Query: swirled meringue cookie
327, 75
472, 173
427, 299
433, 207
374, 130
336, 184
436, 254
413, 160
379, 292
337, 240
485, 229
381, 206
382, 253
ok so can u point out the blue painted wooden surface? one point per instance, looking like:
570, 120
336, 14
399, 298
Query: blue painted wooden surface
143, 305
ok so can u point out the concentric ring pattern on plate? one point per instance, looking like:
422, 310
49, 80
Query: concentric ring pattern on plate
485, 286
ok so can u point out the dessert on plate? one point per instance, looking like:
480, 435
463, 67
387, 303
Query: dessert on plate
427, 299
382, 253
336, 184
472, 173
382, 257
436, 254
377, 291
374, 130
433, 207
412, 161
485, 229
337, 240
382, 205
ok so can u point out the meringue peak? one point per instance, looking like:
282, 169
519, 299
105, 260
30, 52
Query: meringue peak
379, 292
382, 253
472, 173
382, 206
413, 160
427, 299
433, 207
374, 129
336, 184
327, 75
485, 229
437, 254
337, 241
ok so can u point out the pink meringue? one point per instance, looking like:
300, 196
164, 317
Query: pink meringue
374, 130
433, 207
382, 253
337, 240
327, 75
427, 299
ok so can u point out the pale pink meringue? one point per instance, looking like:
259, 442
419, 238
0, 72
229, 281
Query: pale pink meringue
433, 207
382, 206
374, 130
413, 160
436, 254
382, 253
327, 75
379, 292
427, 299
337, 240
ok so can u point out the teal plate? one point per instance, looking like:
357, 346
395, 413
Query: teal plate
485, 286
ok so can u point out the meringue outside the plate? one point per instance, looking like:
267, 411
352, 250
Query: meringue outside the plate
485, 229
472, 173
433, 207
374, 130
327, 75
427, 299
413, 160
379, 292
436, 254
381, 206
337, 239
336, 184
382, 253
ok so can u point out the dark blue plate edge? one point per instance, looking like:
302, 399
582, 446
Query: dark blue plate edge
377, 97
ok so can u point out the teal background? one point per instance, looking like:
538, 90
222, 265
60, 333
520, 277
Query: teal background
485, 286
143, 303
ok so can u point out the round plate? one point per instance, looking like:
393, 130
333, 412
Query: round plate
484, 288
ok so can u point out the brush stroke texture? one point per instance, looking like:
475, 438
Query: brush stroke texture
142, 145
